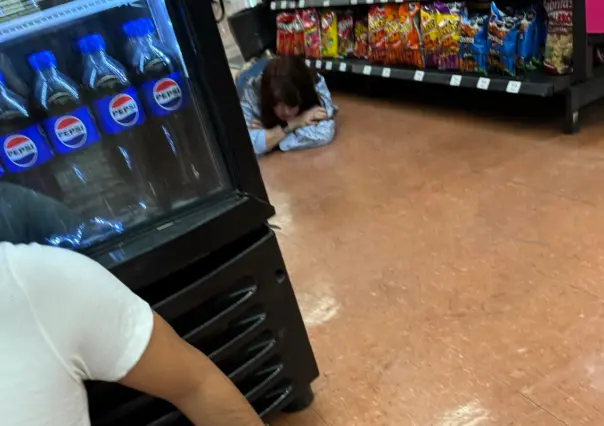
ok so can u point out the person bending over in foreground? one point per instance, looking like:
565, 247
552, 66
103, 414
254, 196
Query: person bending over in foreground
65, 319
285, 105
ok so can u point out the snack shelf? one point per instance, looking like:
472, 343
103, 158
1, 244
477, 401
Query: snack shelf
301, 4
533, 84
55, 16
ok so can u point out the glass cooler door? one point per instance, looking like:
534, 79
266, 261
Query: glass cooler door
103, 130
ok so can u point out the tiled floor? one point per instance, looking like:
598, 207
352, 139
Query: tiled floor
450, 269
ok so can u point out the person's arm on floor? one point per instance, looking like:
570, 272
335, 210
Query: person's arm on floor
263, 140
314, 135
173, 370
100, 330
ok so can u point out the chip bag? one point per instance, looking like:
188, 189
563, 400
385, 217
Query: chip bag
312, 34
377, 48
298, 34
409, 14
392, 35
285, 33
329, 34
527, 32
473, 48
361, 37
503, 30
429, 31
557, 58
448, 18
346, 34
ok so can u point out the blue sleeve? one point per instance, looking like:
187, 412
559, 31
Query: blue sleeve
315, 135
251, 111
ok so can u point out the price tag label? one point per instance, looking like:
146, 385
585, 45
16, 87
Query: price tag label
513, 87
318, 65
326, 3
419, 75
384, 1
273, 6
328, 65
342, 67
292, 4
307, 63
369, 2
455, 80
386, 72
367, 69
301, 4
354, 2
398, 1
284, 4
483, 83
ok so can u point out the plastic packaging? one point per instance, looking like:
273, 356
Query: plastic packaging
410, 34
502, 37
329, 34
361, 37
312, 33
377, 39
473, 48
430, 35
558, 55
448, 18
346, 34
120, 114
170, 115
91, 185
25, 152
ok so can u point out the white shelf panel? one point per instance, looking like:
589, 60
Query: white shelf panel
56, 16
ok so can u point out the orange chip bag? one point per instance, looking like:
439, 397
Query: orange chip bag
377, 48
410, 34
392, 35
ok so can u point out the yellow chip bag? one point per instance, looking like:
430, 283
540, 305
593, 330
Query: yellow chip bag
329, 34
430, 35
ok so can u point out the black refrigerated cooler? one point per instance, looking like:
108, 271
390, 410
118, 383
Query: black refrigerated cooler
122, 119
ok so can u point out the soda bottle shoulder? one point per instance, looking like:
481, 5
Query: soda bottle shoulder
66, 120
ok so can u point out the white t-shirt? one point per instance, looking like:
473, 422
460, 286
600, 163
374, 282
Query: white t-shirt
63, 319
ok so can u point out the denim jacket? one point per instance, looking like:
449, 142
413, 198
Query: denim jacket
306, 137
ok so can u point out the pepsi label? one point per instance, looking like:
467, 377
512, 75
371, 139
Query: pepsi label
165, 95
24, 149
119, 112
73, 131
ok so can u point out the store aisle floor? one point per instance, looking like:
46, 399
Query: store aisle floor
450, 269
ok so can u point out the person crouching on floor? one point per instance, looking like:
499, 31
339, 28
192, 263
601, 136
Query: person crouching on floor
286, 105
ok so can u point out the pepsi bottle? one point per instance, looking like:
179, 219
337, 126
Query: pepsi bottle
166, 99
120, 115
90, 183
24, 149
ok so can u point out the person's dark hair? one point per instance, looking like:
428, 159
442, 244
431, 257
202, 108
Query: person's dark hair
286, 79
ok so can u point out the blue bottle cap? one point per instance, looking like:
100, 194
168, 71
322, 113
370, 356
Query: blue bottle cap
91, 43
147, 26
132, 28
42, 60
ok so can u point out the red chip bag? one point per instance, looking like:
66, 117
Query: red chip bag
377, 41
346, 34
361, 37
298, 34
285, 33
392, 35
312, 33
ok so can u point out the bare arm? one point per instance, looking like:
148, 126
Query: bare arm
173, 370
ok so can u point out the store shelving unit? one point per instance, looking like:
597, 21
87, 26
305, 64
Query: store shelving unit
583, 86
